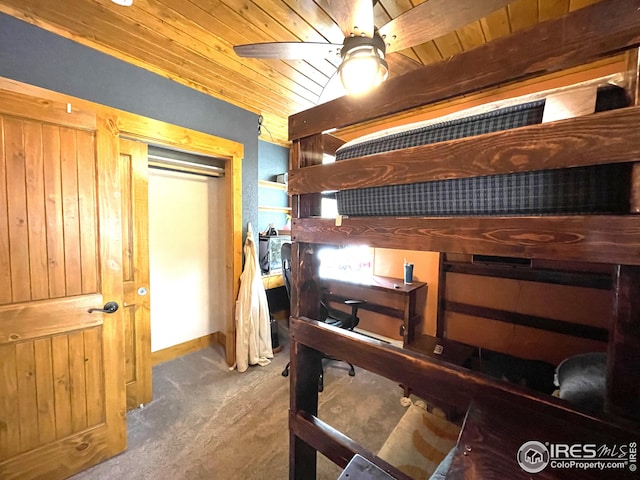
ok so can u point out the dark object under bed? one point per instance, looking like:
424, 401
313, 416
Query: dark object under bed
534, 374
593, 189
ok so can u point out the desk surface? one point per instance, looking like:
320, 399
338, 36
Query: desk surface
394, 306
378, 282
273, 280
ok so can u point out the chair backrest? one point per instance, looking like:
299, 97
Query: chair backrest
348, 322
285, 254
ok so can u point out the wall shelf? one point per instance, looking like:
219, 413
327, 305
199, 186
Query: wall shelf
265, 208
274, 185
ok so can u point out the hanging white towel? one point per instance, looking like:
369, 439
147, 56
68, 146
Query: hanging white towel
253, 327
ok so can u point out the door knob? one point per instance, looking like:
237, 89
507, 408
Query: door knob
109, 307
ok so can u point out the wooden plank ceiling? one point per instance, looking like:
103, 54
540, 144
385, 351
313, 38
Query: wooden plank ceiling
191, 42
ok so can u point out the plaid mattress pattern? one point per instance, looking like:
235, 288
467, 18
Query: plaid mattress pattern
502, 119
594, 189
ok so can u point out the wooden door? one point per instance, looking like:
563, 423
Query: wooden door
62, 389
135, 271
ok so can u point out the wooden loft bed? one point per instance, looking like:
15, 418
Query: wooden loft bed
505, 414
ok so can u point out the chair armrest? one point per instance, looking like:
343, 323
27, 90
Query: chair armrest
354, 302
354, 310
354, 305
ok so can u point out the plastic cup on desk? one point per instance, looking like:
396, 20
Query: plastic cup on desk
408, 273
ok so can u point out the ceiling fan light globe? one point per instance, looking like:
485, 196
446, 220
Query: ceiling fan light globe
362, 69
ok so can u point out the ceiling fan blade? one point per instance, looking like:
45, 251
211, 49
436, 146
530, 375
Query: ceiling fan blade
400, 64
355, 17
332, 90
433, 19
288, 50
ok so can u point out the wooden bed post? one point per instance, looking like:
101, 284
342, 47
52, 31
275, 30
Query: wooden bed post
305, 152
304, 397
633, 92
305, 364
635, 188
623, 359
441, 328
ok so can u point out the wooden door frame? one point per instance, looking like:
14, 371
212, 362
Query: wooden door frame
140, 128
135, 271
147, 130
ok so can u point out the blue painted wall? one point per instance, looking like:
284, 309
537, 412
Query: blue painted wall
274, 160
32, 55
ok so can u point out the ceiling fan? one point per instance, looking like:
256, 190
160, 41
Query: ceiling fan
365, 48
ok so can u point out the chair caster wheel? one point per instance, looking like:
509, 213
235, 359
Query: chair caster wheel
352, 373
285, 373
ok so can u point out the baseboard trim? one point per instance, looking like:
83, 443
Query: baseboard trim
189, 346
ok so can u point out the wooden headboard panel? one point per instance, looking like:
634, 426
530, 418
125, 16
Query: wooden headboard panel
525, 309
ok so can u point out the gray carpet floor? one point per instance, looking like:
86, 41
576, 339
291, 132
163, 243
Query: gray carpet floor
207, 422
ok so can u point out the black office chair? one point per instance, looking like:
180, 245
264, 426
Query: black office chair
331, 316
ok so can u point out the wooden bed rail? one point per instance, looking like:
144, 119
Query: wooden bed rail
431, 379
610, 239
421, 372
333, 444
599, 138
580, 37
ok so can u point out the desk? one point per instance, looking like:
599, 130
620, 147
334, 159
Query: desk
403, 304
273, 280
276, 297
385, 296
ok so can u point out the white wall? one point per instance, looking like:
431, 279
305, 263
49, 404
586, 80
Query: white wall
186, 249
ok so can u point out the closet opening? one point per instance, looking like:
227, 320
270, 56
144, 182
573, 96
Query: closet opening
187, 246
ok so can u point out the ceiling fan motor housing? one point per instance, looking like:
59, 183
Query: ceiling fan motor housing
353, 42
363, 65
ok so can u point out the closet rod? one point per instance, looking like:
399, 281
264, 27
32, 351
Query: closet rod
184, 166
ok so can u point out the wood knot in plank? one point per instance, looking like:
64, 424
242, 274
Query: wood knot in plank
532, 238
112, 125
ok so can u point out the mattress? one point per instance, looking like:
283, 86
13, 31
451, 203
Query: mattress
593, 189
502, 119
